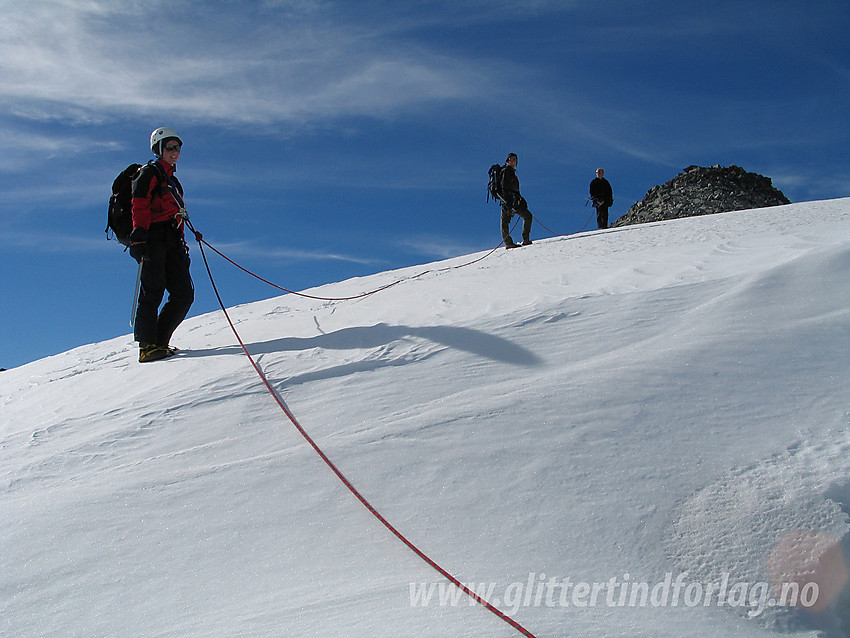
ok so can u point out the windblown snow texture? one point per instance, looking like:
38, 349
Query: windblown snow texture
669, 398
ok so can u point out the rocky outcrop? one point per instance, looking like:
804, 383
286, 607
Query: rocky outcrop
702, 190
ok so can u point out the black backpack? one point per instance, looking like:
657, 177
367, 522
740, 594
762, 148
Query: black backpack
494, 188
120, 214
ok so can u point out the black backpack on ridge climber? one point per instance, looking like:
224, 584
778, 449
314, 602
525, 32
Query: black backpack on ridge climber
120, 214
494, 187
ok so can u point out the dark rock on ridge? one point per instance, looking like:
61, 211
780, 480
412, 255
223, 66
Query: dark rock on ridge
702, 190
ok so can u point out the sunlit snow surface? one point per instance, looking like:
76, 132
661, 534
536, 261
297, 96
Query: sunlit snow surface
643, 405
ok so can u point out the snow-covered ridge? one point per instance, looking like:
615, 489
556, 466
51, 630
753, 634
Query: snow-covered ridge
659, 399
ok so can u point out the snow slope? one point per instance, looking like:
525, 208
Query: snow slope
648, 405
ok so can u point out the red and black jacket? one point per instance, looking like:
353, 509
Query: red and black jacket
153, 200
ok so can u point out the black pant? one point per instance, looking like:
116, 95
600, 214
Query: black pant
165, 267
602, 216
520, 208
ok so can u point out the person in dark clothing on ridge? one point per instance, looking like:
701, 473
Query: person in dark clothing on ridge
602, 197
157, 243
513, 203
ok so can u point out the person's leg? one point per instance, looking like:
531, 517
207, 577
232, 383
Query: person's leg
151, 290
602, 216
181, 290
507, 215
526, 215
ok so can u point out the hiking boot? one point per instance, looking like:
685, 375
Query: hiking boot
152, 352
526, 241
509, 243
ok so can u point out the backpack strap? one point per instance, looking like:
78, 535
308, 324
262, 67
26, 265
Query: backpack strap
170, 184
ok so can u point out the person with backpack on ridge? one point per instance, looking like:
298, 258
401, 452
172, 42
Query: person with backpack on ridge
513, 203
602, 197
157, 243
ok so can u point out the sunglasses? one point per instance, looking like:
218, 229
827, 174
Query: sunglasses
172, 147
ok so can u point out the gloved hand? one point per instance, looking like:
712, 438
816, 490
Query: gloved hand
138, 244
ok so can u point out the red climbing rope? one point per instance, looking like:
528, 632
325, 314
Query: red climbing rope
370, 292
353, 297
454, 581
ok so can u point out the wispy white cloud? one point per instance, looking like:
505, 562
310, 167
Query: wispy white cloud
258, 252
431, 246
282, 62
37, 241
59, 241
33, 146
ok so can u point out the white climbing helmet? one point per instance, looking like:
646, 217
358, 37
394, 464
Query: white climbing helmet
161, 134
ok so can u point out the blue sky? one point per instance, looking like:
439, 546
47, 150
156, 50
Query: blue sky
326, 140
